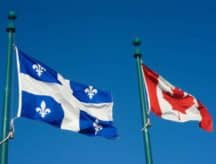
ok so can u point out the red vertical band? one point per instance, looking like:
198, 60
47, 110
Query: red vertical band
206, 122
151, 79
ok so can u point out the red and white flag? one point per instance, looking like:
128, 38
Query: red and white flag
172, 103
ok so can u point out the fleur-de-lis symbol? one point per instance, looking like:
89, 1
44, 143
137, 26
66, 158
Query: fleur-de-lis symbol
39, 69
97, 127
42, 110
91, 91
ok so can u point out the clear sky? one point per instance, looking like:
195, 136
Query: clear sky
90, 42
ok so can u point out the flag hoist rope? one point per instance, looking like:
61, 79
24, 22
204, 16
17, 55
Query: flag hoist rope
147, 124
12, 129
10, 133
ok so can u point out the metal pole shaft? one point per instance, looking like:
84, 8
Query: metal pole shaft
6, 102
143, 104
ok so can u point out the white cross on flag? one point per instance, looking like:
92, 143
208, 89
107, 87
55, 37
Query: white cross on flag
45, 95
172, 103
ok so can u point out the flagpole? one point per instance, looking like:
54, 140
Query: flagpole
143, 103
6, 102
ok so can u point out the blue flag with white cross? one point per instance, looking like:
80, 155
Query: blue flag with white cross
45, 95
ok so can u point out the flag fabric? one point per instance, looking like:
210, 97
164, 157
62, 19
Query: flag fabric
46, 95
172, 103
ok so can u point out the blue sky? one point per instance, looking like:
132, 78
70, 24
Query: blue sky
90, 42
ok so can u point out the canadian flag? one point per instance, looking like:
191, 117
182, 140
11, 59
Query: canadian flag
172, 103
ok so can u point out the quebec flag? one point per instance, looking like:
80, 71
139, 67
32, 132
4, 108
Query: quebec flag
45, 95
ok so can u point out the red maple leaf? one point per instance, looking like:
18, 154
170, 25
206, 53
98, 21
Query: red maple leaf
178, 100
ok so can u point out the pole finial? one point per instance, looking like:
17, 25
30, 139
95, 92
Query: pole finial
12, 15
11, 18
137, 43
